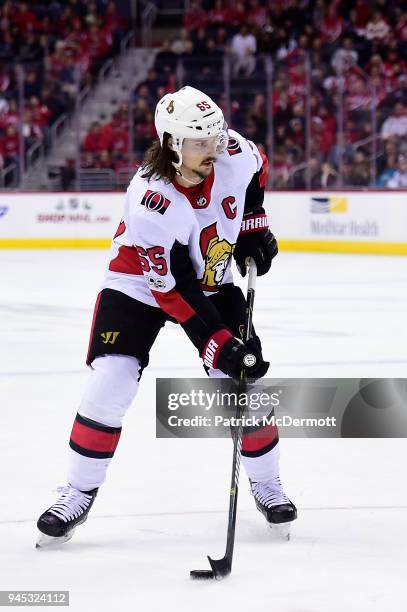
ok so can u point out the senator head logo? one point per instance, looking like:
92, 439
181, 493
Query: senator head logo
216, 254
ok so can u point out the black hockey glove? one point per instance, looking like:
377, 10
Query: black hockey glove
229, 354
255, 240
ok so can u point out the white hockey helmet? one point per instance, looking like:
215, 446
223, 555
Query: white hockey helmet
189, 113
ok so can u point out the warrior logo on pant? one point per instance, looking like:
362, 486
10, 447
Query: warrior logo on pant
109, 337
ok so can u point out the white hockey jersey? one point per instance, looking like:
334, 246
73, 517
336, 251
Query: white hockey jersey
206, 219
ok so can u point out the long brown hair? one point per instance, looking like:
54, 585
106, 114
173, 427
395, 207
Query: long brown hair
157, 162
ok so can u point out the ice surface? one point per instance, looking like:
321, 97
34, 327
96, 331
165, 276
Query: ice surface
164, 505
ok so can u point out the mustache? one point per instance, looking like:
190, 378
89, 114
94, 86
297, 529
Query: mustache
210, 159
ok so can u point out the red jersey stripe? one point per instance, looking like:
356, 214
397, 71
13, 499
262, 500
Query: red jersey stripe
95, 310
264, 169
174, 304
127, 261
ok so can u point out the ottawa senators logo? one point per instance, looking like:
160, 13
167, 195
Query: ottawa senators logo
233, 147
155, 202
216, 254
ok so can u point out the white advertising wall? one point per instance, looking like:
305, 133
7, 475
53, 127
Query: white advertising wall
364, 222
41, 220
353, 222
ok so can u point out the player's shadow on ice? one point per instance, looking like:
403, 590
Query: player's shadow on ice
252, 528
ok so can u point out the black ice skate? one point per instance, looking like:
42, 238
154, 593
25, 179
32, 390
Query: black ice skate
58, 523
273, 503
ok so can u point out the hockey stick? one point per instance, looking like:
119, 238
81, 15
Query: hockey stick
222, 567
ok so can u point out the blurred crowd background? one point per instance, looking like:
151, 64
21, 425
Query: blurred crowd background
320, 86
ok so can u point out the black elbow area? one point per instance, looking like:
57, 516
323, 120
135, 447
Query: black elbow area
254, 194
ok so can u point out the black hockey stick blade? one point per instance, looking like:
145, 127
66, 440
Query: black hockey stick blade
220, 567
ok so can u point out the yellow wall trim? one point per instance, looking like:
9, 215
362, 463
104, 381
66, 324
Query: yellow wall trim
339, 246
326, 246
55, 243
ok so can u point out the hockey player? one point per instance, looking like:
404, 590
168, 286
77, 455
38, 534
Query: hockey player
195, 202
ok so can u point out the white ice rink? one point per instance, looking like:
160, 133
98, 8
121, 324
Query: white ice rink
164, 505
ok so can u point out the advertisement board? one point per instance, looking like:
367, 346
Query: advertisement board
41, 220
353, 222
346, 222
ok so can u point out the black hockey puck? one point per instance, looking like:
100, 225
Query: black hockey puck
202, 574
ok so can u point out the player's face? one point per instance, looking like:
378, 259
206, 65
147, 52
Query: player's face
198, 156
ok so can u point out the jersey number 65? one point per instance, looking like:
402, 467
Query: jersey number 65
152, 259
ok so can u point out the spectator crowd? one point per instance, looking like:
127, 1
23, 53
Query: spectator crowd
323, 85
60, 47
334, 64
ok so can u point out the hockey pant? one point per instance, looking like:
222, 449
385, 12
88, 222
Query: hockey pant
111, 387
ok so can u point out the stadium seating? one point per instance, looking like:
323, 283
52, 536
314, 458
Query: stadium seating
322, 87
58, 47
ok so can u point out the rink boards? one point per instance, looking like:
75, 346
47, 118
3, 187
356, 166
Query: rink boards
371, 222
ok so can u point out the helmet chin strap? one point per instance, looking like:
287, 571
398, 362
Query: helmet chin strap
189, 180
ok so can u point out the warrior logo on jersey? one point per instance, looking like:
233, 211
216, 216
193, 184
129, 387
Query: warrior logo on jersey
233, 147
216, 254
155, 202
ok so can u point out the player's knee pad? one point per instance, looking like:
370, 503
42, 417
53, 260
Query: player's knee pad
111, 387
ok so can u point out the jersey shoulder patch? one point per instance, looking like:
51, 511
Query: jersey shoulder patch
233, 147
155, 201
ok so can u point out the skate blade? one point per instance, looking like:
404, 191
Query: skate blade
46, 541
281, 530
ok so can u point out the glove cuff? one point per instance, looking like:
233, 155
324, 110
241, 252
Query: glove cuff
254, 223
213, 347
